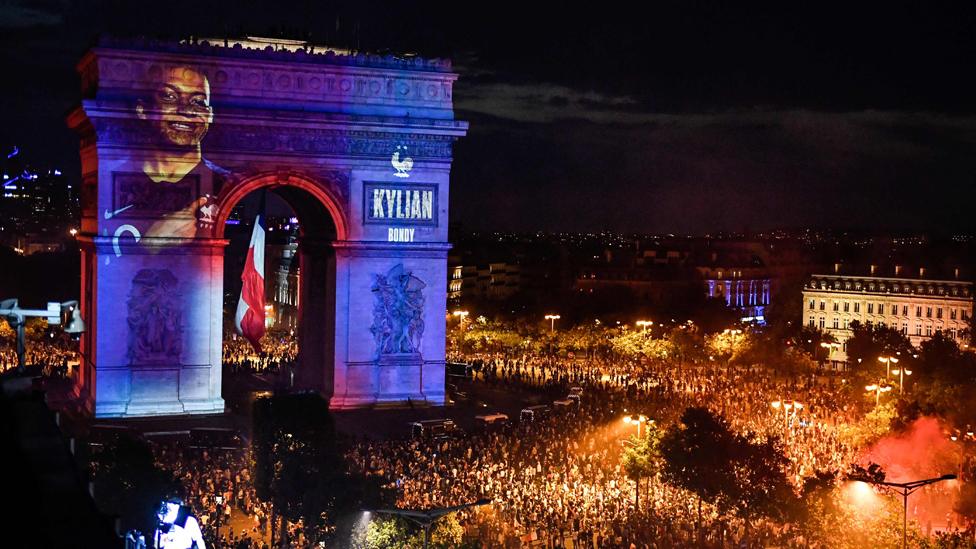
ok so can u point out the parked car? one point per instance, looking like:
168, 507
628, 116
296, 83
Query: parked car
533, 413
437, 429
497, 419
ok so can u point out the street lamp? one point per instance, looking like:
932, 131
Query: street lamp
552, 330
905, 489
877, 389
787, 406
426, 519
888, 360
901, 373
461, 316
644, 324
17, 317
830, 349
552, 322
638, 419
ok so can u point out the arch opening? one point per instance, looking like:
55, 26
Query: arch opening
299, 287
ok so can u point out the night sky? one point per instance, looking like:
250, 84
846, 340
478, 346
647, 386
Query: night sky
685, 117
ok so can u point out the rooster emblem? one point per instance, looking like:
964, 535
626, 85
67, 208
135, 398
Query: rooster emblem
404, 166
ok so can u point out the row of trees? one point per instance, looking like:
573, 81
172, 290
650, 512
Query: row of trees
682, 342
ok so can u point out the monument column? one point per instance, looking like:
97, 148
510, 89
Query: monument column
393, 297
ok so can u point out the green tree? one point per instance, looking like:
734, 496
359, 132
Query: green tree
696, 453
385, 532
737, 473
642, 458
870, 341
730, 346
298, 466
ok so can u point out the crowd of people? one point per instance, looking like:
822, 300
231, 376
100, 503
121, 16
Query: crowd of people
55, 356
205, 475
279, 352
562, 478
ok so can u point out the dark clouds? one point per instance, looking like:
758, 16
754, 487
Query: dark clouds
678, 116
706, 173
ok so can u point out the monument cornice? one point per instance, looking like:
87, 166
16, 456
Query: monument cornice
326, 57
108, 73
379, 248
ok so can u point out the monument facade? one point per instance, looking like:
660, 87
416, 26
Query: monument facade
174, 135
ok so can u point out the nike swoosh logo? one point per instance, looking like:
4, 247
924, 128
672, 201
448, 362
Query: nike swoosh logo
110, 215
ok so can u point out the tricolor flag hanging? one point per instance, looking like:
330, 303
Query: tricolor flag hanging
249, 319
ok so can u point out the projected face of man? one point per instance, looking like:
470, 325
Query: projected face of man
179, 108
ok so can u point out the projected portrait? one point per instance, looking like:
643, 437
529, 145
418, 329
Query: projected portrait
173, 192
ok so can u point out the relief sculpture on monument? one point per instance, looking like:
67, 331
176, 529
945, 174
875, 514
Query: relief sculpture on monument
155, 318
398, 324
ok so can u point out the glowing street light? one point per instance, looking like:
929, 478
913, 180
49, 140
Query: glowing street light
905, 489
877, 389
787, 406
552, 330
888, 360
830, 348
461, 316
901, 373
552, 322
644, 324
637, 419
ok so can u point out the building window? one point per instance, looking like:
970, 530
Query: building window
870, 308
928, 330
836, 306
823, 305
952, 333
880, 308
904, 328
928, 312
938, 313
813, 304
952, 314
823, 323
918, 311
965, 314
904, 310
918, 329
847, 306
836, 323
857, 307
812, 322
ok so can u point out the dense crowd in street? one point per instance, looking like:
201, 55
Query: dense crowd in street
55, 357
562, 478
278, 353
206, 474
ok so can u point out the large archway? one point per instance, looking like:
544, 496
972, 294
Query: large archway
319, 225
174, 135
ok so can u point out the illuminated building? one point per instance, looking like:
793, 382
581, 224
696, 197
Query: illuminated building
746, 290
495, 281
910, 301
359, 146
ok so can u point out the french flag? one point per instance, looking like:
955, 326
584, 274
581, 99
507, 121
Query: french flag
249, 319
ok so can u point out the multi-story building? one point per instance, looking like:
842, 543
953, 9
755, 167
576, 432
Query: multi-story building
745, 290
491, 281
914, 303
